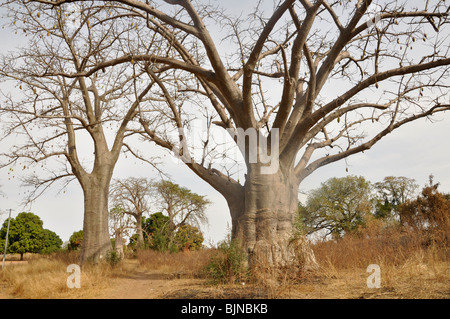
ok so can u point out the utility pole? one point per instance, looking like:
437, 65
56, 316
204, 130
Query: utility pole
6, 239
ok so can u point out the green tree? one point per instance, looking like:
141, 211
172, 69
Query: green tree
189, 237
156, 231
52, 242
181, 205
76, 240
391, 193
26, 234
337, 207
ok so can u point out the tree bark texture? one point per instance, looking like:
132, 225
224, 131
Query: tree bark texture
96, 238
265, 222
118, 243
139, 230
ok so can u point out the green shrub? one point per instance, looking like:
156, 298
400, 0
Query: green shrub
228, 264
112, 257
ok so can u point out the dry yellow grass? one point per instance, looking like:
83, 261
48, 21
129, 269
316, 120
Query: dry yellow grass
46, 277
185, 264
411, 265
408, 270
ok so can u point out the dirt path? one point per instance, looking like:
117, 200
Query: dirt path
139, 283
146, 285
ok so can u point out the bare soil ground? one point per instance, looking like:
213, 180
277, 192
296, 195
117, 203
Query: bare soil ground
141, 284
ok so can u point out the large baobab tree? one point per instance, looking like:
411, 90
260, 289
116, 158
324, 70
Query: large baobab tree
298, 86
65, 127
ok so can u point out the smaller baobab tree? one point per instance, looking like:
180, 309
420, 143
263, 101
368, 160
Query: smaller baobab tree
134, 196
120, 224
181, 205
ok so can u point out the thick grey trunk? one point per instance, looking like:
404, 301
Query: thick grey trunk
118, 243
96, 239
265, 225
140, 232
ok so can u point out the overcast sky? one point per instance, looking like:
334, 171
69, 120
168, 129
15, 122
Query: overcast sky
415, 151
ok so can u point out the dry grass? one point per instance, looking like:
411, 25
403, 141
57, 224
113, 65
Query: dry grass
411, 267
46, 277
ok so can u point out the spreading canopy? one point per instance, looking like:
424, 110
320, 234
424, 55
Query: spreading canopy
337, 207
332, 77
27, 235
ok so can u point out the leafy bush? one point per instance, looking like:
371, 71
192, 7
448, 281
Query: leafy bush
228, 265
76, 240
112, 257
189, 237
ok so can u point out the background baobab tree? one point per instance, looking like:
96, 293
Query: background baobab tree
64, 128
138, 196
134, 196
327, 79
120, 225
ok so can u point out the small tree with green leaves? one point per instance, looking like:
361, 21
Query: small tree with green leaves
76, 240
156, 231
27, 235
391, 193
189, 237
52, 242
337, 207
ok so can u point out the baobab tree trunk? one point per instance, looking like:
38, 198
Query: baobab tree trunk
139, 230
96, 239
118, 243
265, 226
